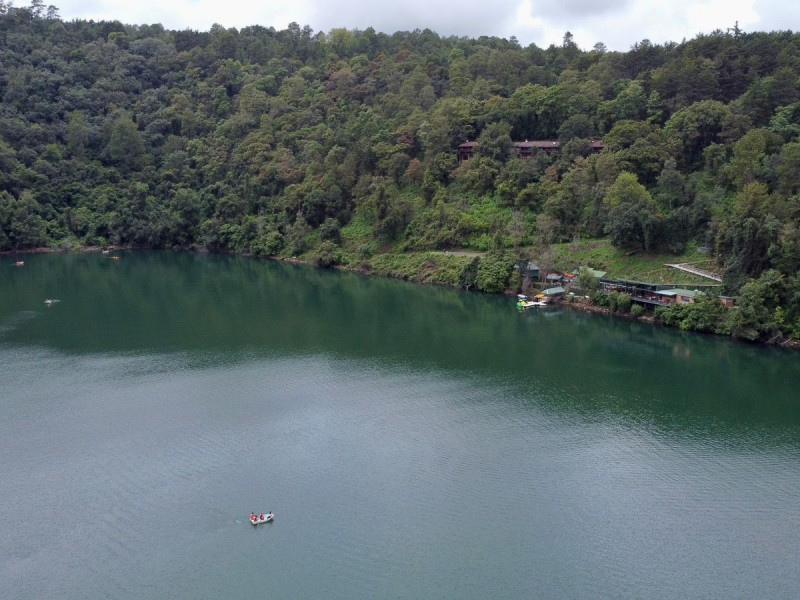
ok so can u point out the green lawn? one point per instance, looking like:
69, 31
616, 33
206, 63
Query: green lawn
601, 255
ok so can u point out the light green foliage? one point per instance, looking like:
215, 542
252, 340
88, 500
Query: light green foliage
327, 254
426, 267
632, 215
494, 271
125, 148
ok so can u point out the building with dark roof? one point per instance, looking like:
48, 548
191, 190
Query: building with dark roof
526, 149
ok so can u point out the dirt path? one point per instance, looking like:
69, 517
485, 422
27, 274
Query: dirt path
695, 271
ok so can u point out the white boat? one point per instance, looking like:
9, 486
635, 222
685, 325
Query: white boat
524, 302
262, 518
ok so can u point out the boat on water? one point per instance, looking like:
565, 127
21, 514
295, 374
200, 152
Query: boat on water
261, 518
523, 302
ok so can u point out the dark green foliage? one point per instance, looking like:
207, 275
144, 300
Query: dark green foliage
600, 299
706, 314
615, 301
274, 142
759, 314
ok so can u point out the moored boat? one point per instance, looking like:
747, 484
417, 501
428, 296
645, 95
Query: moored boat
524, 302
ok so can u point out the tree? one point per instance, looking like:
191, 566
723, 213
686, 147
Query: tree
744, 238
632, 216
126, 148
77, 134
747, 163
495, 141
757, 307
587, 280
671, 183
23, 227
693, 128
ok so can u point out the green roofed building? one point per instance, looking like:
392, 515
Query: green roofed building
593, 272
554, 291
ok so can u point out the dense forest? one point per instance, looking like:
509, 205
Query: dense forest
341, 147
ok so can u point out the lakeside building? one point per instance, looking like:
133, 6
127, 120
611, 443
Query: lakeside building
653, 294
526, 149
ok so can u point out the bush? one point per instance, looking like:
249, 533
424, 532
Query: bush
600, 299
327, 255
330, 230
494, 270
623, 302
364, 251
637, 310
706, 314
273, 243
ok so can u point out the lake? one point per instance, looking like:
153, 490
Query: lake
413, 442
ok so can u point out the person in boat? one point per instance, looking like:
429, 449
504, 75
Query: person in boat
261, 517
252, 516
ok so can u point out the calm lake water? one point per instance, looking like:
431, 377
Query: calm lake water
413, 442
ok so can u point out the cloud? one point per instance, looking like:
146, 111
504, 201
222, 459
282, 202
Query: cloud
578, 8
619, 24
445, 17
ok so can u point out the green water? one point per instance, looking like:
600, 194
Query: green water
414, 442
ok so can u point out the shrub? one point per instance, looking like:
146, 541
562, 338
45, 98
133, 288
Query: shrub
624, 302
600, 299
494, 270
273, 243
327, 255
330, 230
706, 314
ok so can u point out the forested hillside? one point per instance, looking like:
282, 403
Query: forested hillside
341, 146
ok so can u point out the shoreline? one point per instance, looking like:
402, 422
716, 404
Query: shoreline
581, 305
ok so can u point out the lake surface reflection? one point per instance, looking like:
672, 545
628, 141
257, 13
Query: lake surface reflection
413, 442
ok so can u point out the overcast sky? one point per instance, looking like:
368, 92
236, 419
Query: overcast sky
617, 23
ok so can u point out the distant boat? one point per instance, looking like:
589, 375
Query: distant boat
262, 518
48, 301
20, 263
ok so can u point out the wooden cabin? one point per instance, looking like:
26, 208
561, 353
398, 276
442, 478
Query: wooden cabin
466, 150
526, 149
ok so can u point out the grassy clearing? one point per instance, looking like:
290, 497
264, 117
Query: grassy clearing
601, 255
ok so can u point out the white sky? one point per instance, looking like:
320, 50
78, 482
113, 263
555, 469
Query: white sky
617, 23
